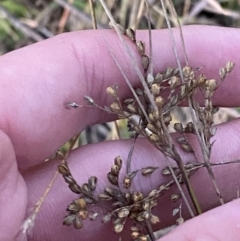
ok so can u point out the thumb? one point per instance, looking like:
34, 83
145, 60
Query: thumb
222, 223
13, 198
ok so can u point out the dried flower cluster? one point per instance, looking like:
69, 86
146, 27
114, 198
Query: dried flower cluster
148, 112
78, 208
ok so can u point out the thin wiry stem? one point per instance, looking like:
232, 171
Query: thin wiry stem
179, 160
181, 34
205, 150
173, 41
180, 188
150, 68
150, 230
128, 83
130, 153
93, 15
136, 67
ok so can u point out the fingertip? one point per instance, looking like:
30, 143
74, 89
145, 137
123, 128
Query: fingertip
13, 200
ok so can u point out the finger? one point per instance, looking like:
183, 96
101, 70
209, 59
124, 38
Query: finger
96, 160
70, 66
221, 224
13, 199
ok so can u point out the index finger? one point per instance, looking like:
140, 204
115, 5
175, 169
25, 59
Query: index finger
36, 81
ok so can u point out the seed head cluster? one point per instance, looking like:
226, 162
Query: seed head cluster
150, 116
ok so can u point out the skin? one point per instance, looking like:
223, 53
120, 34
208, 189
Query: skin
35, 83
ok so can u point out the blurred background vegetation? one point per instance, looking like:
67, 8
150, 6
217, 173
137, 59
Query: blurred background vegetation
24, 22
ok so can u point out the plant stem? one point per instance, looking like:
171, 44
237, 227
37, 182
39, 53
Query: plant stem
150, 231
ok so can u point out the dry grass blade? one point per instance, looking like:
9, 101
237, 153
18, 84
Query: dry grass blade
29, 222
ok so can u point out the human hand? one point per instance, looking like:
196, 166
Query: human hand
35, 83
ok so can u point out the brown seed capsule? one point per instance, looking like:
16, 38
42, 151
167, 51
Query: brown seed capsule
167, 118
143, 238
115, 107
74, 187
113, 192
92, 183
69, 179
143, 216
127, 182
68, 220
129, 101
155, 88
86, 188
132, 109
186, 147
77, 223
189, 128
139, 91
118, 204
89, 100
93, 216
81, 202
137, 196
222, 73
148, 170
201, 80
181, 140
153, 193
83, 214
183, 91
187, 72
112, 91
146, 206
174, 82
118, 227
159, 102
135, 235
154, 138
63, 169
118, 162
211, 84
159, 78
134, 228
175, 211
73, 207
106, 218
115, 170
229, 66
112, 179
178, 127
140, 47
154, 219
104, 196
131, 34
151, 117
163, 187
166, 171
213, 130
123, 212
145, 62
175, 197
153, 203
88, 200
152, 128
180, 221
168, 73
